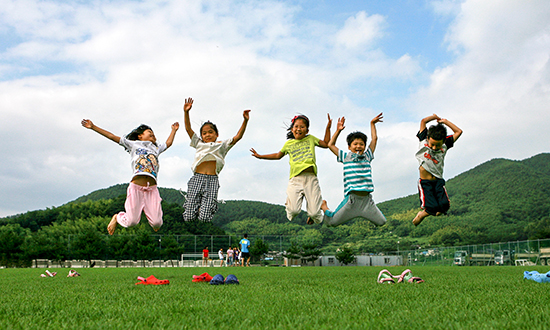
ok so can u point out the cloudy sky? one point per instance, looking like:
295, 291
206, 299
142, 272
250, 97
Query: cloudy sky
482, 64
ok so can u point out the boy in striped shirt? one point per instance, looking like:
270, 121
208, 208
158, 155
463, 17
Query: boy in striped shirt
357, 178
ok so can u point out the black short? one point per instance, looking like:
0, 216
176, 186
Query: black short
245, 255
433, 196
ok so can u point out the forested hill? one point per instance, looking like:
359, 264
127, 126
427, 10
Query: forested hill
497, 201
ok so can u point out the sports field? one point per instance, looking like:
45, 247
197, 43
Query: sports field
275, 298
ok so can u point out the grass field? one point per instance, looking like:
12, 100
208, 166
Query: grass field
275, 298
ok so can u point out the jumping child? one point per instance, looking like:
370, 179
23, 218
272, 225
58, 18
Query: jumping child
303, 169
432, 149
201, 201
358, 184
142, 193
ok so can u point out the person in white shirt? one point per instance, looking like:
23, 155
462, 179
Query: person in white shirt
142, 193
201, 201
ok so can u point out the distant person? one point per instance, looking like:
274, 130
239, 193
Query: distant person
431, 153
142, 194
220, 256
205, 253
245, 253
237, 256
201, 201
229, 257
303, 180
358, 184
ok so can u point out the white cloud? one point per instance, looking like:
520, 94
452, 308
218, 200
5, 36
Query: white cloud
361, 30
125, 63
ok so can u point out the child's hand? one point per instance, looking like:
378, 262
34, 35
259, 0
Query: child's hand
443, 121
175, 126
254, 153
188, 104
329, 124
87, 123
340, 126
246, 115
377, 119
436, 117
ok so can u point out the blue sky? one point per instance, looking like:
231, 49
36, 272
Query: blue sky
122, 63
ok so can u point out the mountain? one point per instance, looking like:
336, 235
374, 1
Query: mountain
499, 200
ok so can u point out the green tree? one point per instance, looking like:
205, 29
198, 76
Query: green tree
12, 241
311, 252
293, 252
258, 249
345, 254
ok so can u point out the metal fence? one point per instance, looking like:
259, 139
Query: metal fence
528, 252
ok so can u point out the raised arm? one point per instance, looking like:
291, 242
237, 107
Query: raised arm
339, 128
170, 140
240, 133
324, 142
275, 156
90, 125
373, 134
186, 107
426, 120
457, 132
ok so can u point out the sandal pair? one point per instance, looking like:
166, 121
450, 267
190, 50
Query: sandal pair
406, 276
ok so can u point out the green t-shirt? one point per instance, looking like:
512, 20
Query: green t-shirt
301, 153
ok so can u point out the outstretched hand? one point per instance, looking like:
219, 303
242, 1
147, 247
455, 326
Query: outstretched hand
246, 115
377, 119
340, 125
87, 123
188, 104
175, 126
254, 153
329, 124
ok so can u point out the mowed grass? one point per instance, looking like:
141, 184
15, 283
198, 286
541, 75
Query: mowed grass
275, 298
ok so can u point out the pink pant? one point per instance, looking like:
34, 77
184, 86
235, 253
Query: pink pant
146, 199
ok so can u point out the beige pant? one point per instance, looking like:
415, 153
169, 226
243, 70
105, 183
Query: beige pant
304, 185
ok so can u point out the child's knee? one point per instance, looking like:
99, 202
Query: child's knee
292, 213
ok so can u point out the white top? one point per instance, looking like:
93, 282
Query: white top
144, 156
432, 160
211, 151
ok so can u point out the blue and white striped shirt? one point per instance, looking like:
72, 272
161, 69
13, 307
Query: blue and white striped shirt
357, 171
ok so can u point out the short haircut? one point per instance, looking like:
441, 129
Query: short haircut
136, 132
437, 132
356, 135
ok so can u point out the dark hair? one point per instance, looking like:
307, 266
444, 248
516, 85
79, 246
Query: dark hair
214, 127
289, 135
437, 132
356, 135
245, 235
134, 135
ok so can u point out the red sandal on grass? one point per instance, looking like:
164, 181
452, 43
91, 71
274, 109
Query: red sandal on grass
204, 277
151, 280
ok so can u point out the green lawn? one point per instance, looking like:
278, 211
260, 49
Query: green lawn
275, 298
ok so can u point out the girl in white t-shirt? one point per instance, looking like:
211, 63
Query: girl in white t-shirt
142, 194
201, 201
